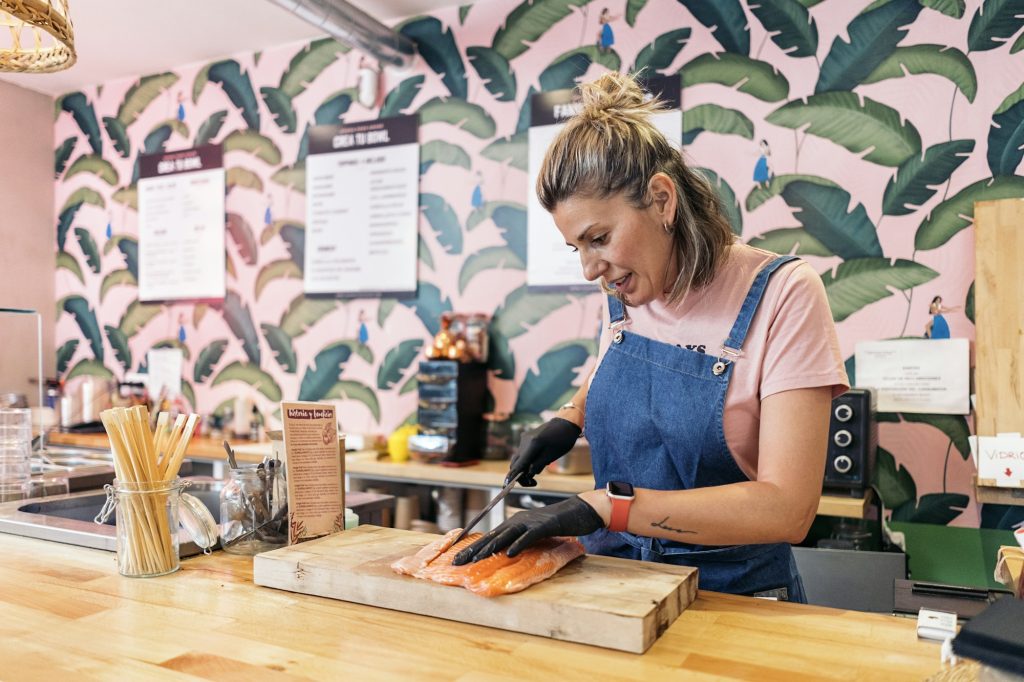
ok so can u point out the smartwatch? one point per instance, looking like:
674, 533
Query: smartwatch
621, 496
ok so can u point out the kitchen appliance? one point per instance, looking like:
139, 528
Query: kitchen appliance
852, 443
452, 398
597, 600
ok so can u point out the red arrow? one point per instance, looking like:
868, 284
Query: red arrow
1008, 472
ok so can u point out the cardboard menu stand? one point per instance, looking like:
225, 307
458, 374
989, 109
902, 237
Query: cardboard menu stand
316, 491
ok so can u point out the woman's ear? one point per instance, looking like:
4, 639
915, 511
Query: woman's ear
663, 196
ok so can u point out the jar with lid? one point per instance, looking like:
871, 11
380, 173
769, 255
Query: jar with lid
147, 518
254, 509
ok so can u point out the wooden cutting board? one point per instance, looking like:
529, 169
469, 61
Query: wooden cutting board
602, 601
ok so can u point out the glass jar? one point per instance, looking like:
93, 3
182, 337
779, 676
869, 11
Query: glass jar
498, 444
147, 526
254, 509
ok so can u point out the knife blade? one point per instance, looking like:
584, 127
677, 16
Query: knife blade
491, 505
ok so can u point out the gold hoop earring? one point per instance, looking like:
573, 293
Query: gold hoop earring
668, 228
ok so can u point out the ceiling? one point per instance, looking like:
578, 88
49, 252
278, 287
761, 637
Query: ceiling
121, 38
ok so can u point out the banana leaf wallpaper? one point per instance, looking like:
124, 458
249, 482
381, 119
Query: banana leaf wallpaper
855, 134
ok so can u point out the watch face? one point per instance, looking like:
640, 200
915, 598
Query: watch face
620, 489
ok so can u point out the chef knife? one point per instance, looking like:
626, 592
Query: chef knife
479, 517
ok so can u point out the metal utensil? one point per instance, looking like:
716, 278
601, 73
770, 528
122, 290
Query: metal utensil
231, 456
490, 505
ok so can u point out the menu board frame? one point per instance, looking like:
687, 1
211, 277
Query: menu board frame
182, 201
362, 209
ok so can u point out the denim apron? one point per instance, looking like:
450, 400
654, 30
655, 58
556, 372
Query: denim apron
654, 419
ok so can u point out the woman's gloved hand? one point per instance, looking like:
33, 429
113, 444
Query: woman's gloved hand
541, 447
569, 517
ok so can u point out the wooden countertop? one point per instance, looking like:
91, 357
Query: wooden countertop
485, 474
69, 615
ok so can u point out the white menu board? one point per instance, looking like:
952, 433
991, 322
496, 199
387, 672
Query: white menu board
181, 225
362, 208
550, 263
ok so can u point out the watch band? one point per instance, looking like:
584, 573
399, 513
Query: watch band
620, 515
620, 509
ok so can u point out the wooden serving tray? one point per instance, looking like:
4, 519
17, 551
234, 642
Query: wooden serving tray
601, 601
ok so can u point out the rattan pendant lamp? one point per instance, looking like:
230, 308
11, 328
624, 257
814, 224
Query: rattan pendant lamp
39, 36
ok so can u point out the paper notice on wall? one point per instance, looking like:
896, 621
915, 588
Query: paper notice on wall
316, 493
929, 376
164, 372
550, 264
1000, 459
181, 225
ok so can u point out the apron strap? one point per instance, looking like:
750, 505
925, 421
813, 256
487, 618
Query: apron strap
616, 310
739, 328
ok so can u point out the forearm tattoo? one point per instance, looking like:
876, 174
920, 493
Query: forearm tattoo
662, 524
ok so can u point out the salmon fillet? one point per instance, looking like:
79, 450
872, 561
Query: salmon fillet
497, 574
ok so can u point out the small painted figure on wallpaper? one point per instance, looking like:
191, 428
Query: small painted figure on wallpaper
181, 328
763, 171
937, 327
477, 200
110, 227
268, 214
181, 106
364, 332
605, 36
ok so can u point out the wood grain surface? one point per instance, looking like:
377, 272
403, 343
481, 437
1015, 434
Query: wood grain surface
68, 615
602, 601
999, 316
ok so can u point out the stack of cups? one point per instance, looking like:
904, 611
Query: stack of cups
15, 453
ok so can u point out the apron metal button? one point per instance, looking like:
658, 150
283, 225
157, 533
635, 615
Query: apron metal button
618, 337
718, 368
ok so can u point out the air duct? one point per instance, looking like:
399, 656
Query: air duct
354, 27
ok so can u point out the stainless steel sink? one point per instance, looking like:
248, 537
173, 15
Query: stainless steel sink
69, 518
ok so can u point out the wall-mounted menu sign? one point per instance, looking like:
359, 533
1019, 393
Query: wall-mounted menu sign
550, 263
362, 208
181, 224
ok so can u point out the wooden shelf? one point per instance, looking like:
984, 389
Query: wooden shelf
991, 494
491, 474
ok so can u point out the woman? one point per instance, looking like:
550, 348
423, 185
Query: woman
711, 459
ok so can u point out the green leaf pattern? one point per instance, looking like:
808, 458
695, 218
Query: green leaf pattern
885, 127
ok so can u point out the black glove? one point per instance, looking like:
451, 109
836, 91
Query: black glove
541, 447
569, 517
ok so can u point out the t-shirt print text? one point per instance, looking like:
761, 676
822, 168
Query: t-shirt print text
693, 346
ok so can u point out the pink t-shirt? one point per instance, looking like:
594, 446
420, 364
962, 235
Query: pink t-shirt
791, 342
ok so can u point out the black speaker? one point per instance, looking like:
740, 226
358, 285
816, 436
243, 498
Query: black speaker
852, 443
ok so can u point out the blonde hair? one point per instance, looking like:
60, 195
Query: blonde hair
611, 146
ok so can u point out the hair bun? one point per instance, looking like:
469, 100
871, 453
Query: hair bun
616, 96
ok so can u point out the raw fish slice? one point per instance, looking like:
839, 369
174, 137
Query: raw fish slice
497, 574
410, 564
